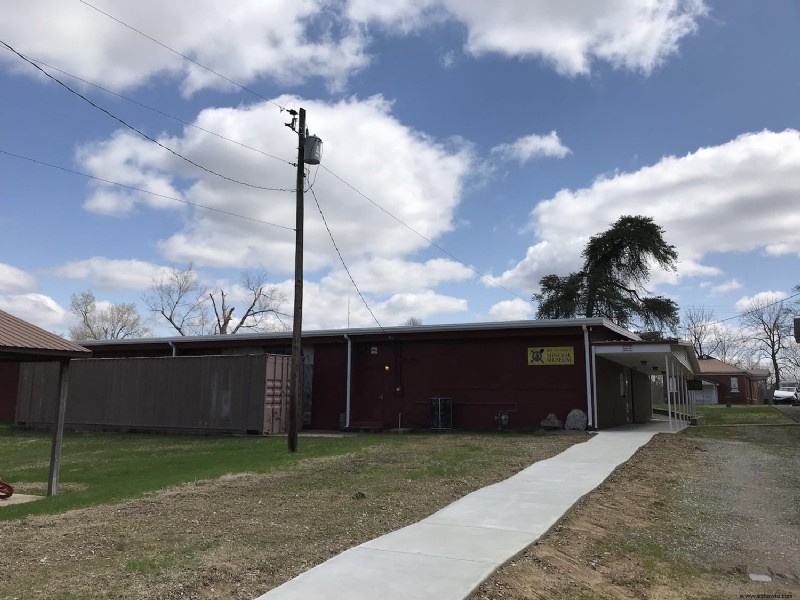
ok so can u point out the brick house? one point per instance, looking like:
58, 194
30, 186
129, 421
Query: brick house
734, 385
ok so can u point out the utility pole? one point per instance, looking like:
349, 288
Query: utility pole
310, 156
296, 398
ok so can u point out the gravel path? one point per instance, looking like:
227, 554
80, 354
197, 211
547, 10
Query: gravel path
793, 412
689, 516
742, 517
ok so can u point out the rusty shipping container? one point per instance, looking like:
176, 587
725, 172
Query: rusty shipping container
199, 394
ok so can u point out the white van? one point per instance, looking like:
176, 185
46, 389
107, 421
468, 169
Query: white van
788, 393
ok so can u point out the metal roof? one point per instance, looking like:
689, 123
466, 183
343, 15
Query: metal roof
19, 340
401, 329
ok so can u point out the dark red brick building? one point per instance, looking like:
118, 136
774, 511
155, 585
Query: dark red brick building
470, 376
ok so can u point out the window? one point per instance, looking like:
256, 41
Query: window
735, 385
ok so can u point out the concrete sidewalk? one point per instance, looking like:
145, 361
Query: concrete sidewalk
19, 499
447, 555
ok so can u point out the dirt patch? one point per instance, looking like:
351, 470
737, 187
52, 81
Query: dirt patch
687, 517
241, 535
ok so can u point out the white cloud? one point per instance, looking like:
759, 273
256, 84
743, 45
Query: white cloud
745, 303
291, 42
637, 35
14, 280
106, 201
533, 146
422, 305
511, 310
416, 178
386, 275
685, 268
128, 160
288, 41
725, 287
326, 308
402, 16
112, 274
734, 197
560, 255
38, 309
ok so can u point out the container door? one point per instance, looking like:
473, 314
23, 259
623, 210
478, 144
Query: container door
276, 394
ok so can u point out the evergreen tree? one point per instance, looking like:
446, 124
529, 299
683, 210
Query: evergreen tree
611, 284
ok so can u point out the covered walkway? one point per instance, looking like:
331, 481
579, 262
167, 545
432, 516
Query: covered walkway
674, 362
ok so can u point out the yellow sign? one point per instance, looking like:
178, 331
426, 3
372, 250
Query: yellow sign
562, 355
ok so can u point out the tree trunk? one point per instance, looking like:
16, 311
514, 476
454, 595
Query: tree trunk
777, 371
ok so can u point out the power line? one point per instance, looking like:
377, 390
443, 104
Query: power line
158, 111
431, 242
364, 300
130, 187
746, 312
435, 245
246, 89
183, 56
141, 133
34, 62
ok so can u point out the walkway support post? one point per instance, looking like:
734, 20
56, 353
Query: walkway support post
666, 389
588, 375
594, 389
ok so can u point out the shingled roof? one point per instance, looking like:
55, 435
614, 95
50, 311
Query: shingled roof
712, 366
19, 340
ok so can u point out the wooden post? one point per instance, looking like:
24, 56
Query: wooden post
295, 400
58, 428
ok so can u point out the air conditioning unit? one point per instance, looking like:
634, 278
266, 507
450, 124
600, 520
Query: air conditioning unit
441, 413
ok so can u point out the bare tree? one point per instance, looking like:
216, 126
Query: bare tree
793, 348
710, 337
192, 309
116, 322
262, 313
181, 300
701, 329
411, 322
733, 347
791, 368
769, 325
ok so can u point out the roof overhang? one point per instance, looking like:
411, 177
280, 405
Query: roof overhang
23, 341
39, 355
648, 357
273, 336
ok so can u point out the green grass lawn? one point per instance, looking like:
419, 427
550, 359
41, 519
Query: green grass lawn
737, 414
99, 468
148, 532
719, 414
105, 468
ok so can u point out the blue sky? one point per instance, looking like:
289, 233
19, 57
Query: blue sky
506, 132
